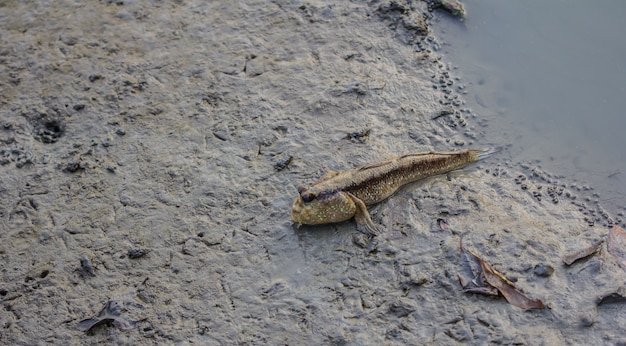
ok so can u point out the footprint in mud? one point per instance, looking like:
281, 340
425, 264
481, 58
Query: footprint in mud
48, 129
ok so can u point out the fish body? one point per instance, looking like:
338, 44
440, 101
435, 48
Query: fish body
340, 196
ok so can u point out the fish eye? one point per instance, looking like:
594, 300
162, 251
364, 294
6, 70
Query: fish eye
307, 196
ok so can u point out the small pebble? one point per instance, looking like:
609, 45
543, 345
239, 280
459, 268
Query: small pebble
136, 253
543, 270
72, 167
95, 77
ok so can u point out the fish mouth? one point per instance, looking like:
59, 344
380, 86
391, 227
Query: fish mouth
297, 209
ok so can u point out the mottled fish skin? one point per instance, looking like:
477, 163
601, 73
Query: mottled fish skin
339, 196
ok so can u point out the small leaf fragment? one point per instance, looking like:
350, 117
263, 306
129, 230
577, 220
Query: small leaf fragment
111, 312
580, 254
616, 245
616, 297
443, 224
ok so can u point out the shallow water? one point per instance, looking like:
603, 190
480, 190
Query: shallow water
551, 75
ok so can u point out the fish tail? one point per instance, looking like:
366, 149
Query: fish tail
485, 153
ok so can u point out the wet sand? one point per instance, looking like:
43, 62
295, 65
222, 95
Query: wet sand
146, 161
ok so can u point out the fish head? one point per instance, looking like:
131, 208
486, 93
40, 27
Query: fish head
313, 208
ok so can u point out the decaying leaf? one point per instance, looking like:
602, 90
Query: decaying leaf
477, 276
110, 313
575, 256
508, 290
471, 275
616, 245
619, 296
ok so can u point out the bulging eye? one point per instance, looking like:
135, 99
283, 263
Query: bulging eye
307, 196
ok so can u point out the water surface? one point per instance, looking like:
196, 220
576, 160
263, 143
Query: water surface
551, 76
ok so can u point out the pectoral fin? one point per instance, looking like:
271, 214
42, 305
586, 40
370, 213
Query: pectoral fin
364, 223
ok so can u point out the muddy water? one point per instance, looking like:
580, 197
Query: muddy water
552, 74
146, 167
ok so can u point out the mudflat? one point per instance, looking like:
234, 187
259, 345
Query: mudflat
151, 151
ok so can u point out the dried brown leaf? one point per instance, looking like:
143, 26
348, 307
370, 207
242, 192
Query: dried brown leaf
508, 290
586, 252
477, 276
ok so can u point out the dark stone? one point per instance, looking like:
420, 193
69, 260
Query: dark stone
95, 77
136, 253
543, 270
72, 167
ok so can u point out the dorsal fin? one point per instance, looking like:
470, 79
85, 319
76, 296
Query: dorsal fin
327, 174
375, 164
416, 154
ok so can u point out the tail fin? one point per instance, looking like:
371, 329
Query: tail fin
485, 153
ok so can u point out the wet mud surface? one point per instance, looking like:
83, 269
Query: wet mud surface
150, 152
